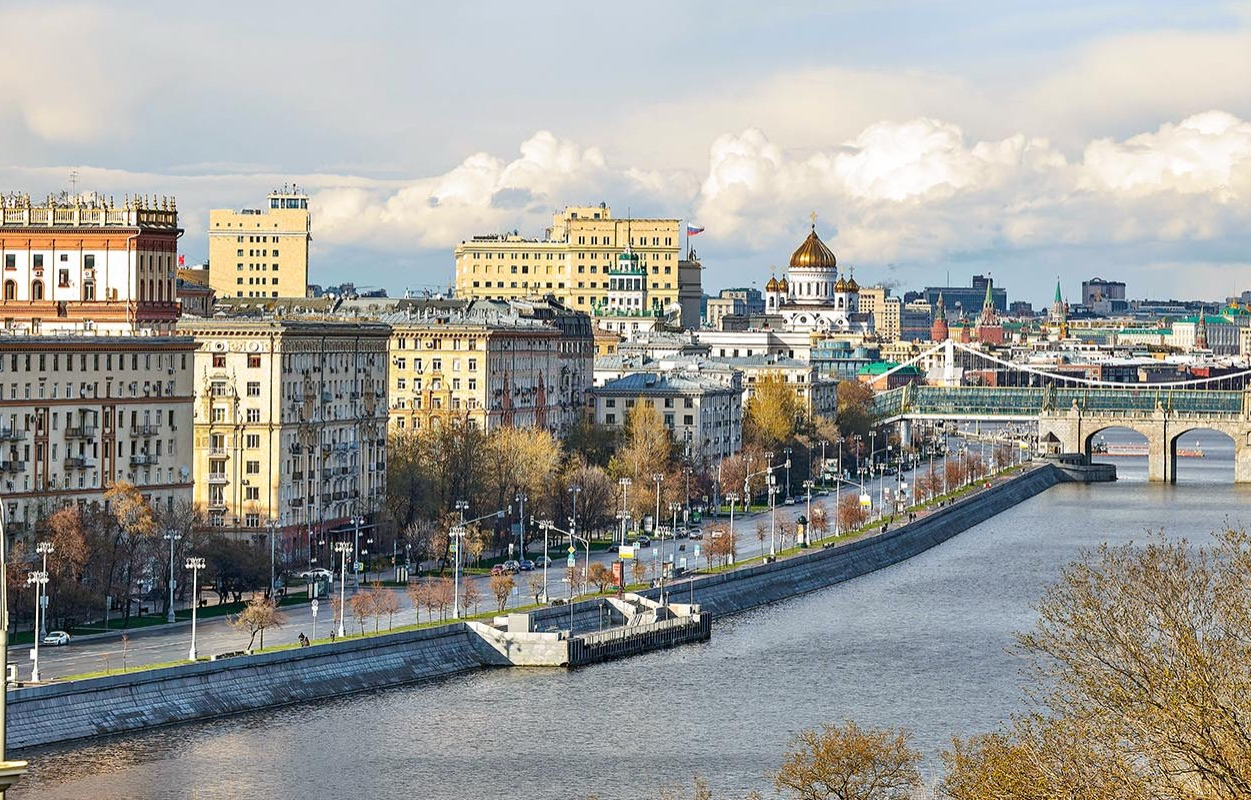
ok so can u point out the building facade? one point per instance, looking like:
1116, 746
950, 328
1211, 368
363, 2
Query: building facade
85, 265
79, 413
703, 413
574, 260
261, 252
814, 296
290, 427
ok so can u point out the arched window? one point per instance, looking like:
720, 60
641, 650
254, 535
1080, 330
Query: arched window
36, 290
10, 290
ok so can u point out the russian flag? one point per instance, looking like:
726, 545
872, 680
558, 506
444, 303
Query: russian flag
693, 230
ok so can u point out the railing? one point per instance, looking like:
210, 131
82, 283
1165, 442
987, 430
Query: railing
12, 466
12, 434
145, 430
79, 462
217, 478
142, 459
80, 432
219, 452
1016, 402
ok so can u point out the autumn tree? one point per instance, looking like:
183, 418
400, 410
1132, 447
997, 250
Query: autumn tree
773, 413
260, 613
600, 575
638, 570
847, 762
363, 606
720, 548
501, 587
646, 448
470, 596
851, 515
519, 460
855, 414
416, 591
954, 474
577, 581
443, 594
136, 532
597, 496
762, 533
820, 522
537, 588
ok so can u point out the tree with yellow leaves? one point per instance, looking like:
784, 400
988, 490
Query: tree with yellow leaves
773, 414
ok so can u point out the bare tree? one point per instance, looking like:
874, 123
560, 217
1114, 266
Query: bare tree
470, 595
444, 592
386, 602
502, 586
260, 613
719, 549
762, 533
537, 588
577, 581
363, 607
600, 575
639, 570
851, 515
820, 521
847, 762
417, 596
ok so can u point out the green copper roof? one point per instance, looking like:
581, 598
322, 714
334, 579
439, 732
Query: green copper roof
882, 367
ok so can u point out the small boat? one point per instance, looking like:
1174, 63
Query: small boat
1123, 450
1190, 452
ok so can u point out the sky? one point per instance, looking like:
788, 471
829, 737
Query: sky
1030, 140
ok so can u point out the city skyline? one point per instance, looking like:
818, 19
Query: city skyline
1062, 142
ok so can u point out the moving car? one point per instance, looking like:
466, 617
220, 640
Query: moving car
498, 569
697, 534
317, 574
643, 541
525, 565
542, 561
56, 638
511, 565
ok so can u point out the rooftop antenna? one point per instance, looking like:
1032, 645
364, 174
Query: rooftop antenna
73, 176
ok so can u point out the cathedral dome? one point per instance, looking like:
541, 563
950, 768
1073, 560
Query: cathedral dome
841, 286
783, 286
813, 254
852, 286
772, 285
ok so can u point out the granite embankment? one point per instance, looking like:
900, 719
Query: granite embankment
39, 715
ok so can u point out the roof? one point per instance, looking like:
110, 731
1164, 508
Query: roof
882, 367
675, 382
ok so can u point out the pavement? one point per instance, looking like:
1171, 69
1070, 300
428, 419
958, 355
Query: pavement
166, 643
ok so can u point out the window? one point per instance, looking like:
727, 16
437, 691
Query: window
36, 290
253, 415
10, 261
10, 290
219, 361
253, 468
62, 278
253, 441
38, 261
252, 493
254, 388
254, 362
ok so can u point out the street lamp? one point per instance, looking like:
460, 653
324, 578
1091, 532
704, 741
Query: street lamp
195, 565
773, 493
808, 484
625, 484
357, 521
38, 580
658, 478
173, 537
342, 548
787, 452
733, 498
43, 549
271, 524
674, 508
521, 525
458, 542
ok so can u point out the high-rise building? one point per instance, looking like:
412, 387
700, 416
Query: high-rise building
290, 428
261, 252
886, 311
83, 264
968, 300
1097, 289
80, 413
574, 259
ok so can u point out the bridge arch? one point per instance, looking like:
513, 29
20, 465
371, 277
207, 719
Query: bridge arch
1223, 443
1094, 429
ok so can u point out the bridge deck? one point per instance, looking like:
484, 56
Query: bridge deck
985, 402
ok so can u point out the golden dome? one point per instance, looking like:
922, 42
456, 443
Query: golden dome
772, 285
813, 254
783, 286
841, 286
852, 286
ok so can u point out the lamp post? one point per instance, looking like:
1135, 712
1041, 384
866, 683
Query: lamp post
787, 452
195, 565
733, 498
458, 543
44, 549
808, 484
342, 548
625, 484
272, 525
521, 499
773, 493
357, 521
574, 490
173, 537
674, 508
38, 580
658, 478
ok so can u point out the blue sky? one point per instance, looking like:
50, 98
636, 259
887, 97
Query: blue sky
1027, 139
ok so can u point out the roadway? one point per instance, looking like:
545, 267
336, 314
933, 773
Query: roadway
168, 643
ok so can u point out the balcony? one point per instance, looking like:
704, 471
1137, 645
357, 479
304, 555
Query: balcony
80, 432
143, 460
217, 505
217, 478
145, 430
12, 435
79, 462
219, 452
12, 466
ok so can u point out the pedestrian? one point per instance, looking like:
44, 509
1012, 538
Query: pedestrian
332, 633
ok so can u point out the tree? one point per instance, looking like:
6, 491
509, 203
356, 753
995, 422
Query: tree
537, 588
501, 587
363, 606
417, 591
929, 484
851, 515
443, 593
954, 473
647, 447
470, 596
762, 533
476, 541
638, 570
820, 521
719, 548
136, 532
385, 602
260, 613
600, 575
773, 413
577, 581
855, 416
847, 762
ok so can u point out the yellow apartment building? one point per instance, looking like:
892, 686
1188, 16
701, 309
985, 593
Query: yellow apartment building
261, 252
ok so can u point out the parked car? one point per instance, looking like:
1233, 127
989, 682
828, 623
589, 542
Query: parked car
498, 569
317, 574
525, 565
696, 534
643, 541
542, 561
56, 638
512, 565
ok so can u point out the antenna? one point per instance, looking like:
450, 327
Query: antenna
73, 176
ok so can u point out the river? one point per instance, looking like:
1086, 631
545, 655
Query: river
921, 644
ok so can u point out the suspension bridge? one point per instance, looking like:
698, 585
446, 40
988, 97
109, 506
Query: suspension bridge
1070, 410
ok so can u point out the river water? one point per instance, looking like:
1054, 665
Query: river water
921, 644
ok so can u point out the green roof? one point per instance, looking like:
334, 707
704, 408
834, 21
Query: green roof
882, 367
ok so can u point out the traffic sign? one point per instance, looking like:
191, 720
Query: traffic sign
572, 560
626, 551
697, 551
314, 604
571, 550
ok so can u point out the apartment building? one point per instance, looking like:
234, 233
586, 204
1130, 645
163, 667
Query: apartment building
84, 264
290, 427
886, 310
704, 413
78, 413
261, 252
574, 260
488, 364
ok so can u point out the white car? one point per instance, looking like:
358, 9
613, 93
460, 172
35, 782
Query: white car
320, 573
56, 638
